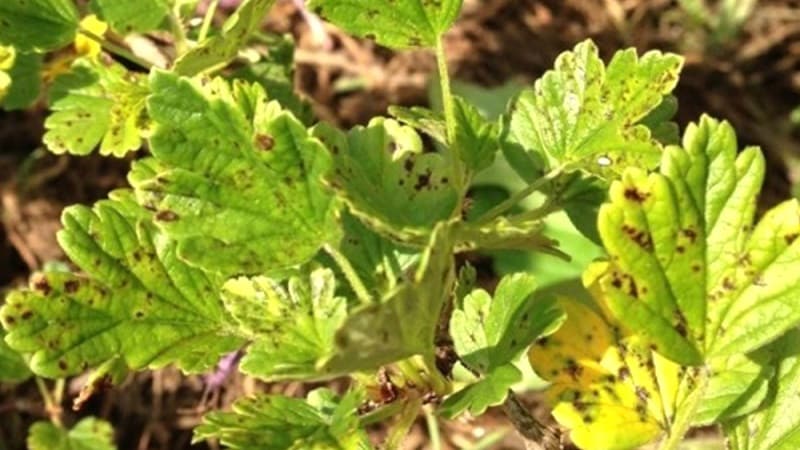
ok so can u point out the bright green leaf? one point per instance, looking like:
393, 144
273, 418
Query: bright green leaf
688, 271
273, 422
292, 327
235, 179
585, 113
491, 390
404, 324
96, 104
475, 137
132, 16
12, 367
88, 434
776, 426
738, 385
40, 25
382, 172
139, 301
218, 49
397, 24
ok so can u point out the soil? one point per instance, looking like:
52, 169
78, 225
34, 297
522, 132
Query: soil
752, 80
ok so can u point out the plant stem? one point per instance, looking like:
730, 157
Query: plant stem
380, 414
528, 426
177, 30
53, 409
350, 273
116, 49
433, 429
519, 196
449, 107
212, 9
400, 429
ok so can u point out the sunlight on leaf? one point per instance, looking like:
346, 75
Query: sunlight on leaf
88, 434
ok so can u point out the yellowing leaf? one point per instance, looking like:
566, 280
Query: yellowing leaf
86, 46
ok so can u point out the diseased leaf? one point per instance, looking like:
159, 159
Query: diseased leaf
235, 179
776, 426
589, 114
490, 333
388, 181
139, 300
405, 323
12, 367
220, 48
96, 104
129, 17
37, 25
88, 434
686, 270
292, 327
273, 422
397, 24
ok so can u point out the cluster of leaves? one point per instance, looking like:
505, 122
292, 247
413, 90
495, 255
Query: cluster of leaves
320, 253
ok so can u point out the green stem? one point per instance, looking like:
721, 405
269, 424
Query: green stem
116, 49
212, 9
400, 429
53, 409
350, 274
449, 106
176, 24
433, 429
519, 196
381, 414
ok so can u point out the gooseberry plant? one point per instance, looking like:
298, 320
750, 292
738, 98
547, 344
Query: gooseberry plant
319, 253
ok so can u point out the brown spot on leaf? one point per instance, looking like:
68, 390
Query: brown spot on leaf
41, 285
264, 142
71, 286
635, 195
166, 216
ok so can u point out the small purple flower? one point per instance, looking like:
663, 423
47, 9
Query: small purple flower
226, 365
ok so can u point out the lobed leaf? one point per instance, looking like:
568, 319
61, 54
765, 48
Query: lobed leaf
588, 114
475, 136
398, 24
139, 301
273, 422
235, 179
20, 80
96, 104
13, 367
37, 25
686, 270
383, 174
88, 434
132, 17
219, 49
291, 327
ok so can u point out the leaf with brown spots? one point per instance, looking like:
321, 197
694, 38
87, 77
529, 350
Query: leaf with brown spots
687, 270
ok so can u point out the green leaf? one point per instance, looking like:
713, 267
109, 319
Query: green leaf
291, 327
96, 104
382, 173
12, 367
131, 17
737, 386
219, 49
38, 25
776, 426
88, 434
687, 270
236, 180
405, 323
585, 113
476, 137
273, 422
397, 24
23, 79
489, 333
139, 301
491, 390
422, 119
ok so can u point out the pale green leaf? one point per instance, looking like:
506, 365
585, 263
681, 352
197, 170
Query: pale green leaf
40, 25
491, 390
402, 325
292, 327
139, 300
23, 80
235, 179
96, 104
12, 367
422, 119
218, 49
738, 385
88, 434
585, 113
687, 269
475, 137
273, 422
132, 16
776, 426
382, 172
397, 24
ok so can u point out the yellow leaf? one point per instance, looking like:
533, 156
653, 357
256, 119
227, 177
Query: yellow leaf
86, 46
